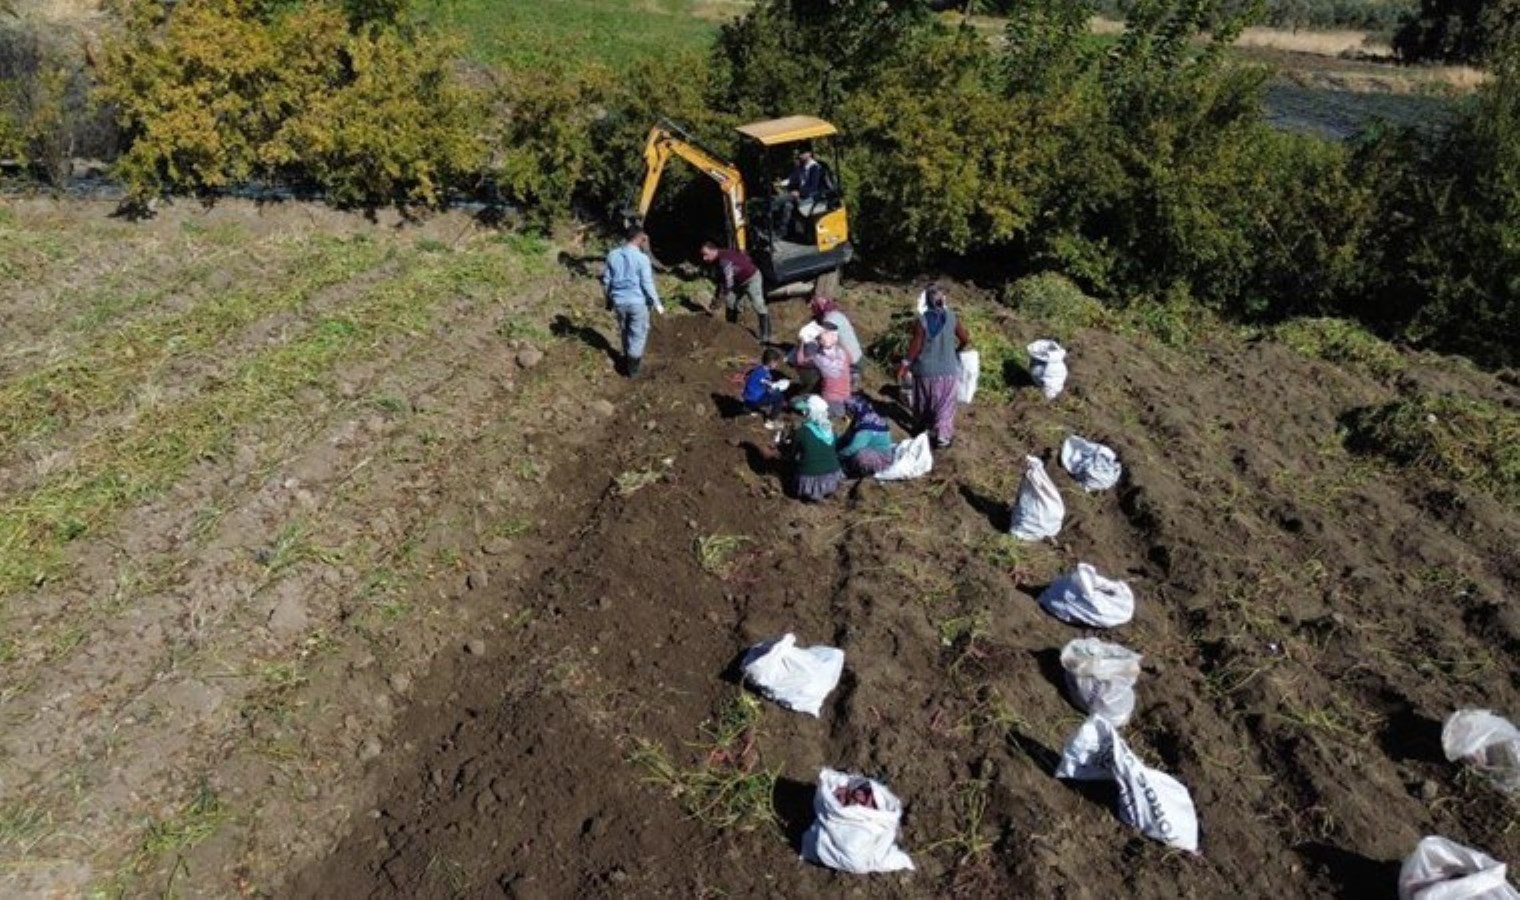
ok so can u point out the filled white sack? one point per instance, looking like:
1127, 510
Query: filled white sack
971, 372
1047, 365
1488, 743
798, 678
910, 459
1038, 509
1440, 869
1093, 465
854, 838
921, 305
1084, 597
1101, 677
1150, 801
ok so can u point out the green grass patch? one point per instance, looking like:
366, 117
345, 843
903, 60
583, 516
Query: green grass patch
104, 374
727, 789
1341, 342
133, 461
1467, 440
535, 34
1057, 303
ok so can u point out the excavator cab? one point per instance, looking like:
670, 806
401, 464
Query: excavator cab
792, 239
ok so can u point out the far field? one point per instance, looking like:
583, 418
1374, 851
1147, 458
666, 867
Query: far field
1317, 90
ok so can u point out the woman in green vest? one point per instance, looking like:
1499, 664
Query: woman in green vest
817, 474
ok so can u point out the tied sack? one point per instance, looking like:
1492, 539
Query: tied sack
1488, 743
1440, 869
1150, 801
1093, 465
1038, 509
853, 836
1047, 365
798, 678
1084, 597
910, 459
1101, 677
971, 372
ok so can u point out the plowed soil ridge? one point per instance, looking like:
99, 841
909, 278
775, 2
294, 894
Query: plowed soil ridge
1307, 623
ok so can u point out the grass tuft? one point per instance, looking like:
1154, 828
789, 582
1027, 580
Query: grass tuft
727, 790
1340, 341
716, 552
1467, 440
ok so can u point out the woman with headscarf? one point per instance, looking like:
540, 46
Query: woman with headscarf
833, 362
866, 447
825, 312
934, 360
817, 472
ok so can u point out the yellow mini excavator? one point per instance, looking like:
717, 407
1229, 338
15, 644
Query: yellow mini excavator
790, 241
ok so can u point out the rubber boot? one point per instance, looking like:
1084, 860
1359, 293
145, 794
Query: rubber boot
731, 315
765, 328
632, 365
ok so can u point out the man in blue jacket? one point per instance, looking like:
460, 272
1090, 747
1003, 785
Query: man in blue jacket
628, 286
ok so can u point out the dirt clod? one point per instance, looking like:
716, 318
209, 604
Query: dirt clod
529, 357
477, 580
476, 647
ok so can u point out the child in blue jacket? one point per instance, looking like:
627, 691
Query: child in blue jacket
764, 393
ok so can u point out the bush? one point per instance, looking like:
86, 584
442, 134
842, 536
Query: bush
1463, 439
216, 92
1056, 301
47, 117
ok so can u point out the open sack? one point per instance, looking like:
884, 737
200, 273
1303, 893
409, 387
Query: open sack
1440, 869
1101, 676
1093, 465
1488, 743
855, 826
910, 459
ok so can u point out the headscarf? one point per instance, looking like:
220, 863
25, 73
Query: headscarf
816, 411
934, 316
822, 306
864, 416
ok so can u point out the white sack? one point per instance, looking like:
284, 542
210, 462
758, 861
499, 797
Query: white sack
1101, 677
1038, 509
1084, 597
1440, 869
854, 838
1488, 743
971, 371
910, 459
1093, 465
809, 333
798, 678
1151, 801
1047, 364
921, 305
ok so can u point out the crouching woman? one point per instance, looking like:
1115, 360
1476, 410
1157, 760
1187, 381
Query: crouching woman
816, 471
866, 447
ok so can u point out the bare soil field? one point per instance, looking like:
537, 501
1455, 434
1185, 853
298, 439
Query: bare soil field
337, 563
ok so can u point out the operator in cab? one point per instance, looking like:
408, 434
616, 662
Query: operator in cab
804, 190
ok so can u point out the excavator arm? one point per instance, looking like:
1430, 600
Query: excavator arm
667, 139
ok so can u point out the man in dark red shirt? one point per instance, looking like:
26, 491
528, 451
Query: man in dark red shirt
735, 273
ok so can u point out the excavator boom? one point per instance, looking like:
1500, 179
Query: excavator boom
667, 139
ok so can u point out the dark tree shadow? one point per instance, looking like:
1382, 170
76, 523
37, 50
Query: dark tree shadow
996, 511
761, 461
793, 802
693, 306
1015, 375
1049, 661
562, 326
729, 406
1409, 736
577, 265
1352, 874
892, 403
